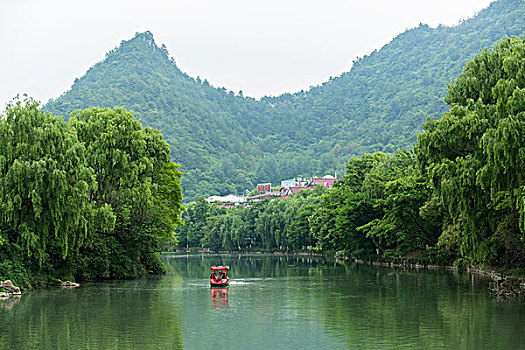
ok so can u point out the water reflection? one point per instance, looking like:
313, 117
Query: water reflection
219, 298
9, 302
197, 265
141, 314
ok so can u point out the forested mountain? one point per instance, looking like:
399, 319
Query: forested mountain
226, 142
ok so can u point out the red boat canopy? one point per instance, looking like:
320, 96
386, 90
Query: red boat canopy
220, 268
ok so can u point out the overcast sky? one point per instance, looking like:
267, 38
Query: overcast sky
260, 47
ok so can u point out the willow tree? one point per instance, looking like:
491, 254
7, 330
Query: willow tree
136, 179
44, 182
475, 157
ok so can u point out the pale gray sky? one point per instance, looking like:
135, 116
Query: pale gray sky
260, 47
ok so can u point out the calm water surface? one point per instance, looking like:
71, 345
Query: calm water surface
273, 302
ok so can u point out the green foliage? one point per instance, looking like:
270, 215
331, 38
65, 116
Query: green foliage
474, 156
14, 264
227, 143
13, 267
517, 272
195, 216
97, 197
45, 182
139, 184
397, 188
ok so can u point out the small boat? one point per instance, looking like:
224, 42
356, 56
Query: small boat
219, 276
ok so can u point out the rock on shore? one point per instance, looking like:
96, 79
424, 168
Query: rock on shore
508, 288
9, 289
67, 284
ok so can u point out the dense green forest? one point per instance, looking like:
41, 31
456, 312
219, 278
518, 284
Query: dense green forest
226, 143
459, 194
97, 197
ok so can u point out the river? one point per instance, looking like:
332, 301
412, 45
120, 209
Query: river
273, 302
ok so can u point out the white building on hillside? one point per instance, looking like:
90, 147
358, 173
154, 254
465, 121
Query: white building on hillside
231, 198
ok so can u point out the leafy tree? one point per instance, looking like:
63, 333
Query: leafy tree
474, 157
136, 182
300, 231
397, 188
45, 183
194, 218
346, 208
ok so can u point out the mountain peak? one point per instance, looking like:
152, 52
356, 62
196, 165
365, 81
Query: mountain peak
145, 37
140, 43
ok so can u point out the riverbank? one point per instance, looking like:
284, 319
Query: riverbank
504, 284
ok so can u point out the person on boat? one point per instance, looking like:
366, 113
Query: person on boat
213, 276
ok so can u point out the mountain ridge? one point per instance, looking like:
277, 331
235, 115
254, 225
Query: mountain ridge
227, 142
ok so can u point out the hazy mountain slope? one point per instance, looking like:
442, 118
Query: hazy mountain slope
227, 143
387, 95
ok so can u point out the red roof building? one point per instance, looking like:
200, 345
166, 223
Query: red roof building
327, 181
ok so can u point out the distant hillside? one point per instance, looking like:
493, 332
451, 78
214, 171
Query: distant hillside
226, 143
